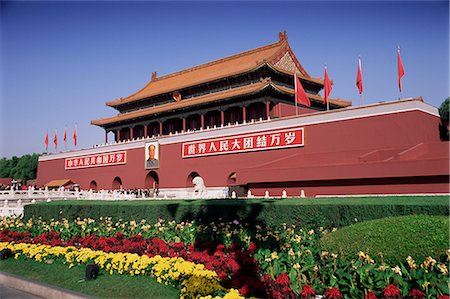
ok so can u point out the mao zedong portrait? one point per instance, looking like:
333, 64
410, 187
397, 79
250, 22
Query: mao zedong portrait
151, 162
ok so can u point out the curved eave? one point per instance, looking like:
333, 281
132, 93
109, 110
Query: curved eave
263, 53
304, 78
290, 91
226, 94
116, 103
223, 95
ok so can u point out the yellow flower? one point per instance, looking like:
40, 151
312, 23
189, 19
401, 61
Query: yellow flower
274, 255
429, 262
411, 262
443, 269
397, 270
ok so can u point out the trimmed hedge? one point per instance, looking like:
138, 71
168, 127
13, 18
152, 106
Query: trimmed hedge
396, 237
337, 212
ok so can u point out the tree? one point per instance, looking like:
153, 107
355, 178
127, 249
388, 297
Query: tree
23, 168
443, 110
5, 168
444, 126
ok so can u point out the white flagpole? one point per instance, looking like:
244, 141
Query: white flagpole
55, 144
75, 137
295, 92
361, 94
328, 100
400, 80
65, 138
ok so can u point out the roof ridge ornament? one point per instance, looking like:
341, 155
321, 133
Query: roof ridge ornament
153, 76
282, 36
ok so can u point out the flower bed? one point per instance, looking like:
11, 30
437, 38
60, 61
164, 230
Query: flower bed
277, 263
194, 280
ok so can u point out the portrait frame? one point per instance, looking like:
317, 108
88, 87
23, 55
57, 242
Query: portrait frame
150, 163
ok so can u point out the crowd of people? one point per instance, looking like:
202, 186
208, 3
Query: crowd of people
16, 187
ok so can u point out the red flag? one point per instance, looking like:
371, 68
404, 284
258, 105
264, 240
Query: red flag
401, 71
55, 140
65, 135
300, 95
46, 141
359, 83
326, 87
75, 136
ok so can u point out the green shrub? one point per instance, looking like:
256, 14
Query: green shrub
304, 212
396, 238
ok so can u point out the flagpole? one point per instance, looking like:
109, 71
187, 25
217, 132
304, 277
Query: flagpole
46, 142
65, 138
75, 137
360, 67
398, 50
55, 141
295, 90
328, 100
400, 77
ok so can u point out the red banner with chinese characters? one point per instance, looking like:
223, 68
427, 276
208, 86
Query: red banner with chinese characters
245, 143
106, 159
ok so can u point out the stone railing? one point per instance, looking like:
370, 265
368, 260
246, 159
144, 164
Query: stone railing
12, 201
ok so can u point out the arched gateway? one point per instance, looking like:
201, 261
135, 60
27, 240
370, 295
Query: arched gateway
151, 180
117, 183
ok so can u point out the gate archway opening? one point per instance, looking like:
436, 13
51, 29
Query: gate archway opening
93, 185
151, 180
231, 180
190, 177
117, 183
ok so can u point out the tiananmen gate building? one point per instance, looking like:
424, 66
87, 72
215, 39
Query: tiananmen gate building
233, 123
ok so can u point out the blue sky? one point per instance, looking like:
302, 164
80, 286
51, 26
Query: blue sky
61, 61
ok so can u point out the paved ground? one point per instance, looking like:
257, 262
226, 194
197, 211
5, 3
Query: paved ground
16, 287
10, 293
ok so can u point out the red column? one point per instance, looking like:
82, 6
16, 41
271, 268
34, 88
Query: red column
131, 133
118, 135
244, 114
184, 124
106, 136
267, 109
160, 128
202, 121
145, 131
222, 117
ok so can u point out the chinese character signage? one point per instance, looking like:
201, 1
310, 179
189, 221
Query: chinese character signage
245, 143
106, 159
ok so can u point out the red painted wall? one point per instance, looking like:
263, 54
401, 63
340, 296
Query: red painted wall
334, 143
288, 110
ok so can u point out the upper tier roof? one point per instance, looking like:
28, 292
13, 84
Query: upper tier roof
208, 98
222, 68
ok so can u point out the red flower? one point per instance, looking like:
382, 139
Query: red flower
252, 246
283, 279
416, 294
278, 295
371, 295
332, 293
244, 291
391, 291
307, 291
443, 297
